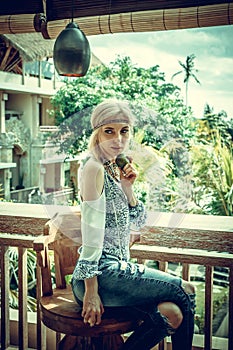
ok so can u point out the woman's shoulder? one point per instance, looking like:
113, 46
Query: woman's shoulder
91, 179
92, 171
90, 164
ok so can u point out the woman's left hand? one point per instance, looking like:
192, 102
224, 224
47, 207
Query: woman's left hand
128, 175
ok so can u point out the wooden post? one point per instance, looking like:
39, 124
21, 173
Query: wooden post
208, 307
5, 320
230, 330
22, 275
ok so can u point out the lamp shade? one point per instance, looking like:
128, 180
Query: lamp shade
71, 53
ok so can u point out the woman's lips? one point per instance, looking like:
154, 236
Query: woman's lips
116, 150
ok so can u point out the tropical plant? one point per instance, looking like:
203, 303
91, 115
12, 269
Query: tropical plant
212, 167
213, 124
158, 185
189, 72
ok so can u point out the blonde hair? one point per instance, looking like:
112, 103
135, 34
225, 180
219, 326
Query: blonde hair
107, 112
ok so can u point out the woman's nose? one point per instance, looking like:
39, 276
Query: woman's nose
118, 138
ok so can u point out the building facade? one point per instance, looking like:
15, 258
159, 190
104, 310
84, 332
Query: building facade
29, 165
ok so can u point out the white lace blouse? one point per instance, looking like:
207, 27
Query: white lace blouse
105, 227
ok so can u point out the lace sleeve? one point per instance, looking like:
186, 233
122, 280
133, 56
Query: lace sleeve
138, 214
87, 265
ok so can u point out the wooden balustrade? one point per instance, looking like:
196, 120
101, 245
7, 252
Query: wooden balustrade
19, 225
200, 257
193, 239
22, 243
22, 195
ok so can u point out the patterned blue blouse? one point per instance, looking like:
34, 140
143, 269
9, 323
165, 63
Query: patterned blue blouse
106, 228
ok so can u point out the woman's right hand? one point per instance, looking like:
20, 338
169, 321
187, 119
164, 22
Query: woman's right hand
92, 308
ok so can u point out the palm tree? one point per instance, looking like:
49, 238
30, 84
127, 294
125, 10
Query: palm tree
189, 71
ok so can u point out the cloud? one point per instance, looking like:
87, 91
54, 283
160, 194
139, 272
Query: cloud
214, 59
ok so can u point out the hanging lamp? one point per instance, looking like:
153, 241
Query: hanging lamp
71, 53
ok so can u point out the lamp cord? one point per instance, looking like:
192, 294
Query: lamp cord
72, 12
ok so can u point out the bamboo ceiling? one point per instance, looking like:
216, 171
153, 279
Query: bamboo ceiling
102, 17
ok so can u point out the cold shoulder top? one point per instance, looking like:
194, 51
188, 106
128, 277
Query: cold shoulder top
105, 227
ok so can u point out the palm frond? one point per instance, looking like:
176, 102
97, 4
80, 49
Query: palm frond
177, 73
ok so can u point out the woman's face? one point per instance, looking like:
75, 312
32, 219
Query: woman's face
113, 139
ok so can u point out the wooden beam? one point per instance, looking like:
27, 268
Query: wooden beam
5, 58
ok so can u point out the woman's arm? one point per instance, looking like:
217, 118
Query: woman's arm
92, 305
137, 210
128, 176
91, 188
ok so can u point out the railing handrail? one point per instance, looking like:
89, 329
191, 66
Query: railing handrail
16, 240
48, 128
182, 255
26, 189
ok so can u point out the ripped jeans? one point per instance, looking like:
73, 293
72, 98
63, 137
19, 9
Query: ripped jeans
142, 289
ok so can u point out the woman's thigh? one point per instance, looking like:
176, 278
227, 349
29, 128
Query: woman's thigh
130, 284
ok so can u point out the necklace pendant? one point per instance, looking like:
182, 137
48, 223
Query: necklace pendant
113, 170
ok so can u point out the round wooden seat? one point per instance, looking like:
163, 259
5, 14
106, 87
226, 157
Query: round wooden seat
61, 313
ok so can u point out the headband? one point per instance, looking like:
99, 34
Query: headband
111, 121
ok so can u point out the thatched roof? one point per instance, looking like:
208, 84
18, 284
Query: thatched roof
31, 46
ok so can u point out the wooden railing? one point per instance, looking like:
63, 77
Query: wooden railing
200, 257
19, 225
22, 243
59, 197
23, 195
194, 239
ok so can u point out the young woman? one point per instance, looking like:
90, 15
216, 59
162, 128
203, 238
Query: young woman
104, 276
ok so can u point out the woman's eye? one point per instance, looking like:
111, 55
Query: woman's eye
124, 131
108, 131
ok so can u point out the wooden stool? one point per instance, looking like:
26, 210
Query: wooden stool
57, 308
62, 314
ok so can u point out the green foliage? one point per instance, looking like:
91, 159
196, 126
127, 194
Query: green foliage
212, 164
155, 173
188, 68
219, 299
191, 167
213, 177
212, 125
156, 104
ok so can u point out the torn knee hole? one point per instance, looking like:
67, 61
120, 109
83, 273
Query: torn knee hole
188, 287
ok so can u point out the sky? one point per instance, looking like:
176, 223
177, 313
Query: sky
213, 48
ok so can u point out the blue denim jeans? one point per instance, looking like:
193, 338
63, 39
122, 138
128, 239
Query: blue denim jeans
142, 289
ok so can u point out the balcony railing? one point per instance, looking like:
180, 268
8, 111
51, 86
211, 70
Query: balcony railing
197, 239
19, 225
22, 195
